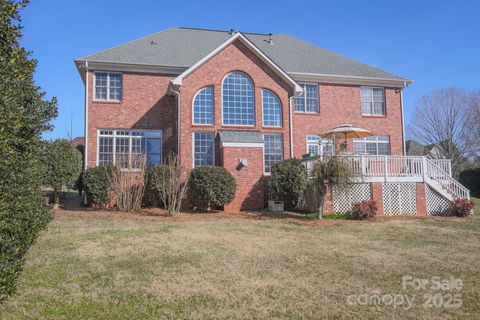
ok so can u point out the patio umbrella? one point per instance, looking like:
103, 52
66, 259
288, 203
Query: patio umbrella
347, 131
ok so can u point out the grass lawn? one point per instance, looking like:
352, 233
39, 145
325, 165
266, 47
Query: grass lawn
106, 268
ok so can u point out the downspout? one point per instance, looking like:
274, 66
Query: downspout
403, 120
177, 94
290, 125
86, 117
85, 148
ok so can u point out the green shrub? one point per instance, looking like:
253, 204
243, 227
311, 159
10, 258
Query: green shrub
96, 185
62, 163
470, 178
288, 181
24, 116
211, 186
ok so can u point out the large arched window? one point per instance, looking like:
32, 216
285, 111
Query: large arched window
272, 109
203, 106
238, 100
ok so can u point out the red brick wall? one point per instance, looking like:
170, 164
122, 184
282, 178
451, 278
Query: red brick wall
421, 200
235, 57
340, 104
144, 105
250, 185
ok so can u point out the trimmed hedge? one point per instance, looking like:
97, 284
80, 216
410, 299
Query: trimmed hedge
96, 185
288, 181
210, 187
470, 178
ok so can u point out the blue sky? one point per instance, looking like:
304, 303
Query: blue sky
435, 43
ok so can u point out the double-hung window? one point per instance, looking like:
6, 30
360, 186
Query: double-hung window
273, 150
203, 106
272, 109
203, 149
238, 100
108, 86
319, 146
308, 100
128, 148
373, 101
379, 145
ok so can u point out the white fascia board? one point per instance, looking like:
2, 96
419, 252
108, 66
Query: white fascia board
341, 79
242, 144
179, 80
132, 67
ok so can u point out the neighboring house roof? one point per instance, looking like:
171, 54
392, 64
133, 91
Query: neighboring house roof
234, 137
184, 47
413, 148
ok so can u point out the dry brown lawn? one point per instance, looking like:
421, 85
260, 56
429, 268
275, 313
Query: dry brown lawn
96, 266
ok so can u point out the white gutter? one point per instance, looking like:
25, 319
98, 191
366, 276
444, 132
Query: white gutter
177, 94
403, 120
290, 124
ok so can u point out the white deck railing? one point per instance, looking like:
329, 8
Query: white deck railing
402, 169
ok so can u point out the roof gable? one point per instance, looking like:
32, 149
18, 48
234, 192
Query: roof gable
239, 37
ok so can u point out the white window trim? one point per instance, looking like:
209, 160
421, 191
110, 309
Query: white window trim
254, 104
373, 102
281, 110
265, 173
108, 86
193, 146
364, 142
213, 107
317, 85
114, 143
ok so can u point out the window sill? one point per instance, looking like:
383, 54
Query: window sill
373, 116
238, 126
272, 127
202, 125
107, 101
307, 113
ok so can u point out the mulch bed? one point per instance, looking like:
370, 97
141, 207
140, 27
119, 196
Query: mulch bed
72, 208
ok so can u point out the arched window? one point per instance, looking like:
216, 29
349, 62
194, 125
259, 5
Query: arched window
238, 100
272, 109
203, 106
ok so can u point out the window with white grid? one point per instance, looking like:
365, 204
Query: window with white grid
379, 145
272, 151
319, 146
308, 100
108, 86
373, 101
203, 106
238, 100
272, 109
203, 149
127, 148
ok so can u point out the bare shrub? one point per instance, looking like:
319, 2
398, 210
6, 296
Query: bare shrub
167, 180
127, 180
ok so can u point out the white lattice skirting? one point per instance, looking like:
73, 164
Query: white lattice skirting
437, 205
399, 198
344, 197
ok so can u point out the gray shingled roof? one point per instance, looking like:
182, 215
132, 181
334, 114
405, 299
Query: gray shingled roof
241, 136
183, 47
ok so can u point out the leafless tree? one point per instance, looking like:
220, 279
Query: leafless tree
169, 183
443, 120
474, 107
127, 179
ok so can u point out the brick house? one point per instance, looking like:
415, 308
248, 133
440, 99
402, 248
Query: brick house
243, 101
